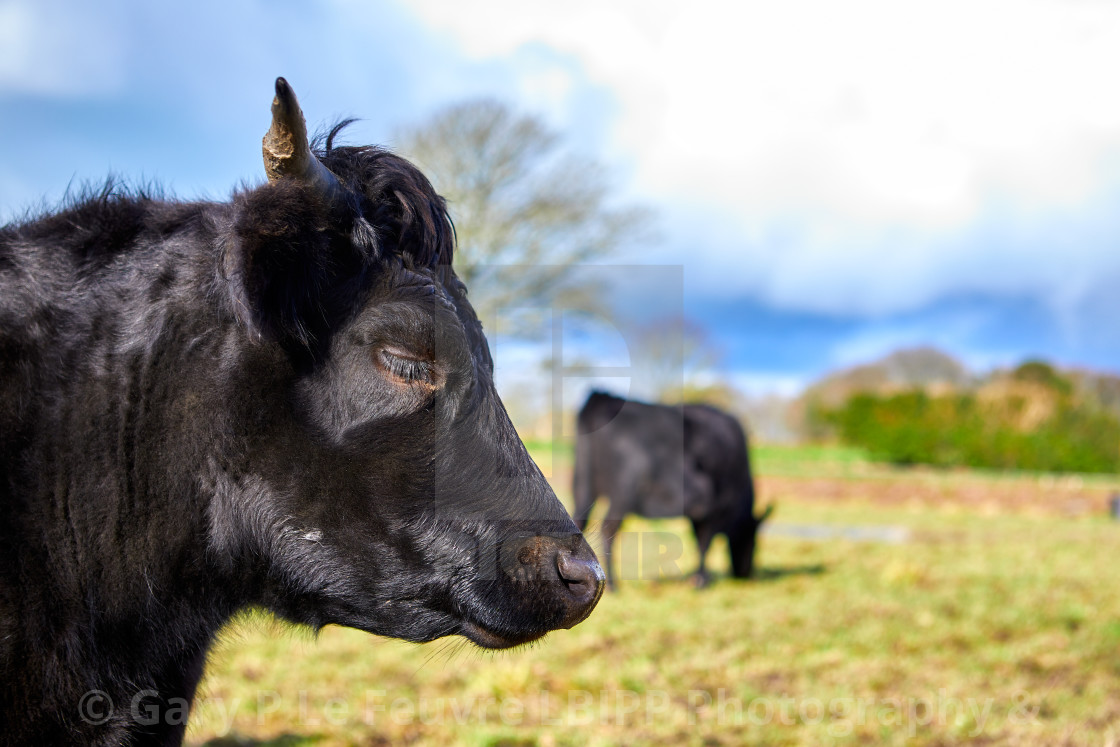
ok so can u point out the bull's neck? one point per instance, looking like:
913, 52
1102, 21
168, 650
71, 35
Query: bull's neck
126, 571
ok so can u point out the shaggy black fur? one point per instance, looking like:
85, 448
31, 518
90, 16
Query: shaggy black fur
286, 401
660, 461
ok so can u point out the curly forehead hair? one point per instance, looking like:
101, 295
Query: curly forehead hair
409, 218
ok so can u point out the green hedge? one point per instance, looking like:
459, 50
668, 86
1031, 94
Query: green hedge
956, 430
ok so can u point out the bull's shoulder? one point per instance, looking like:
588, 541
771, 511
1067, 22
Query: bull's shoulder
99, 228
73, 279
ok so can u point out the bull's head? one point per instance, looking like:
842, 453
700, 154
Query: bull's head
742, 537
380, 483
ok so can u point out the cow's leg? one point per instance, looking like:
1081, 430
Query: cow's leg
583, 492
584, 502
609, 530
705, 532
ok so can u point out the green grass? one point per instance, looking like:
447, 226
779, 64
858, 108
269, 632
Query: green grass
837, 461
809, 460
999, 628
539, 446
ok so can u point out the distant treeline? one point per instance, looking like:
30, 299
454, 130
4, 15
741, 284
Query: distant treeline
1031, 418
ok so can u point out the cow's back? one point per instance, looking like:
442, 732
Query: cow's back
635, 453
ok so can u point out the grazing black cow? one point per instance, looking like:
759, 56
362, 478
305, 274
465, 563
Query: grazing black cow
282, 401
660, 461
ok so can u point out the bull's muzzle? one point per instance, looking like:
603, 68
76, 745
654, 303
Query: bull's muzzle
568, 569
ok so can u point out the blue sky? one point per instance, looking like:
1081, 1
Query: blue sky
836, 179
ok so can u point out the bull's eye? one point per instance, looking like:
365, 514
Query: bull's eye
406, 368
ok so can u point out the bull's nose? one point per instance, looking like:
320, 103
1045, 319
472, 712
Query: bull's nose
583, 579
560, 573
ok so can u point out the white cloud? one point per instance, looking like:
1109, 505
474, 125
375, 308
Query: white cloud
1058, 254
870, 110
860, 153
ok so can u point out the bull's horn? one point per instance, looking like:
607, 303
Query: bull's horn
287, 153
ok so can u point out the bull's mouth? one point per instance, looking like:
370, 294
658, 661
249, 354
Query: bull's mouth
480, 636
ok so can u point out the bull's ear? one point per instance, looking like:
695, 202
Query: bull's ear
286, 260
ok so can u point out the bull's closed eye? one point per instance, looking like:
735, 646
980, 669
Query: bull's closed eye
406, 367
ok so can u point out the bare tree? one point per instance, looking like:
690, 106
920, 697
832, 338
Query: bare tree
677, 360
526, 211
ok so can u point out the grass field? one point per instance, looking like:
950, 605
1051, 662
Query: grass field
997, 623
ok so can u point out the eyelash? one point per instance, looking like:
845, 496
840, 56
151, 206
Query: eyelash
409, 369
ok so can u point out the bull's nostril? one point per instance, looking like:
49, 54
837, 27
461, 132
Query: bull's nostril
580, 575
583, 580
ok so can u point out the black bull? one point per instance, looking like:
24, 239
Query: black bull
661, 461
282, 401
